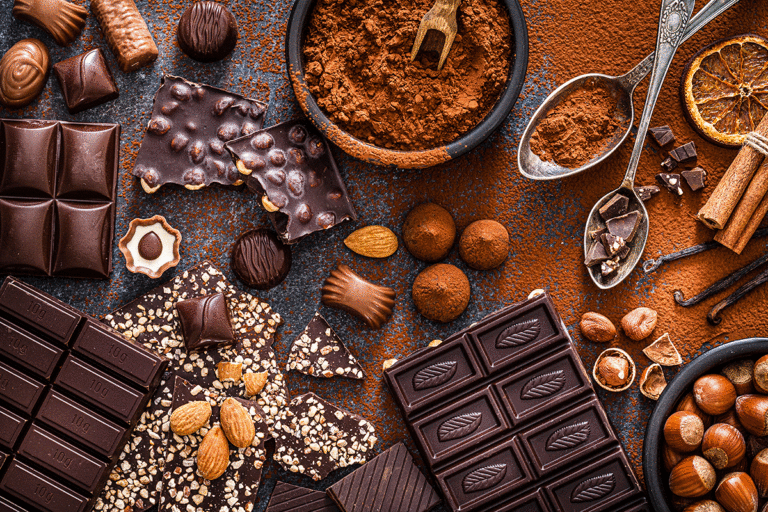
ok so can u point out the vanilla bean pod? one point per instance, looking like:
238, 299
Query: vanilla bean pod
721, 285
714, 314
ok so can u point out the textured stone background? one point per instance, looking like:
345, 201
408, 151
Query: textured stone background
545, 220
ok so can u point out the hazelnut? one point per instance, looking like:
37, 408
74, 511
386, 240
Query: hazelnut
755, 444
758, 470
723, 446
670, 457
731, 419
704, 506
740, 375
639, 323
760, 375
736, 492
652, 381
714, 394
692, 477
614, 370
683, 431
596, 327
752, 411
687, 403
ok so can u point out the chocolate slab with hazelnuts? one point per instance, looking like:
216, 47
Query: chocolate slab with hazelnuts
504, 410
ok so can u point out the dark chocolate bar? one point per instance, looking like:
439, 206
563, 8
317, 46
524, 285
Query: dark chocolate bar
71, 392
58, 183
292, 498
506, 418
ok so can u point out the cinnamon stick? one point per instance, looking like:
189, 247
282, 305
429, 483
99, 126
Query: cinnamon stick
735, 229
752, 225
718, 209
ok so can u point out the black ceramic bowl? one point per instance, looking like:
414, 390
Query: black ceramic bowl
656, 477
297, 25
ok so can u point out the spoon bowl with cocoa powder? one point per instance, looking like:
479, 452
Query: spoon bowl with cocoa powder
582, 122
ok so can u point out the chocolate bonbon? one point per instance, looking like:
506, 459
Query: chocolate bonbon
23, 72
207, 31
370, 487
63, 20
71, 391
318, 351
507, 419
205, 322
57, 191
85, 81
346, 290
126, 32
260, 259
151, 246
292, 498
185, 137
291, 168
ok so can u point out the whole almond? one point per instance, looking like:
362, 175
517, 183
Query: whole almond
213, 454
254, 382
237, 423
372, 242
596, 327
190, 417
639, 323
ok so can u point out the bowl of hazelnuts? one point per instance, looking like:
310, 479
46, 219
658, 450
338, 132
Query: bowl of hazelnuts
706, 444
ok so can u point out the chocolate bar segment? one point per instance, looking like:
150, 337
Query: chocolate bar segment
28, 350
19, 390
51, 317
7, 506
292, 498
534, 502
11, 425
40, 491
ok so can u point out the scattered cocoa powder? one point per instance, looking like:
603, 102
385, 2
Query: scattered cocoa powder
579, 128
358, 67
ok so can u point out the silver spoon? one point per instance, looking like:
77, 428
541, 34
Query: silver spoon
673, 20
623, 89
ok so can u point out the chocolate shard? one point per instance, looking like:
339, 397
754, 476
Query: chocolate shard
370, 487
609, 267
669, 164
696, 178
595, 234
597, 254
205, 322
346, 290
616, 206
624, 252
319, 352
663, 135
671, 182
646, 192
63, 20
292, 498
613, 244
684, 154
85, 81
625, 226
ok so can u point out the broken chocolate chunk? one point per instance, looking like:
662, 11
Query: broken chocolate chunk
623, 252
625, 226
662, 135
205, 322
613, 244
669, 164
319, 352
617, 205
596, 254
696, 178
609, 267
595, 234
684, 154
671, 182
646, 192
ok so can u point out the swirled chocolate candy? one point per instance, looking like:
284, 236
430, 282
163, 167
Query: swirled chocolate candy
207, 31
184, 141
63, 20
346, 290
23, 70
260, 259
86, 81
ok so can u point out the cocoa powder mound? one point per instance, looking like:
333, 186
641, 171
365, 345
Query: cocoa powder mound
358, 67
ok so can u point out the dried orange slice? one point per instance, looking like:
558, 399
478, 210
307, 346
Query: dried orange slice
725, 89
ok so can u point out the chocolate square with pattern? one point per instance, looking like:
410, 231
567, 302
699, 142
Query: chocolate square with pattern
84, 239
19, 390
485, 478
88, 162
39, 491
549, 383
599, 486
534, 502
184, 140
434, 374
205, 322
27, 350
509, 339
567, 438
26, 236
85, 81
459, 426
28, 153
291, 167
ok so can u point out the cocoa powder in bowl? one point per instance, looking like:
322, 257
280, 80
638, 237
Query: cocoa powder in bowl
358, 68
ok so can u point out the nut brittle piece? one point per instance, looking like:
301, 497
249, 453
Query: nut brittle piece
319, 352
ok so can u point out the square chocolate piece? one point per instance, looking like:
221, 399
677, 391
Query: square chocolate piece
86, 81
205, 322
663, 135
184, 141
291, 167
696, 178
617, 205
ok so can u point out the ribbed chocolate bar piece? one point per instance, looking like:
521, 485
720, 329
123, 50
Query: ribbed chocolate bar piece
292, 498
71, 391
506, 418
390, 482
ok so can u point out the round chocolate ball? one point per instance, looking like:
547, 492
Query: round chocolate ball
441, 292
207, 31
260, 259
429, 232
484, 245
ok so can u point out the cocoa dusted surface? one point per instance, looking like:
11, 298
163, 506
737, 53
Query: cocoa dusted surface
545, 220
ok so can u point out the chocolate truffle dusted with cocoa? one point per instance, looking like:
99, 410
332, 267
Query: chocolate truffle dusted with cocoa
484, 245
429, 232
441, 292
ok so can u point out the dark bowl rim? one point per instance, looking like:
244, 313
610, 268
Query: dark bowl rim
653, 467
297, 22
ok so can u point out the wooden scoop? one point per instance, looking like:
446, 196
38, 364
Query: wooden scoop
441, 18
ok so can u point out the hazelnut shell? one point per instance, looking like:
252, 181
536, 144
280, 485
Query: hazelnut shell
652, 381
752, 411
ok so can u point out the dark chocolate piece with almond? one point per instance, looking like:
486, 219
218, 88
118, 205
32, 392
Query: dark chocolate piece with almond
663, 135
617, 205
671, 182
346, 290
609, 267
613, 244
319, 352
669, 164
646, 192
696, 178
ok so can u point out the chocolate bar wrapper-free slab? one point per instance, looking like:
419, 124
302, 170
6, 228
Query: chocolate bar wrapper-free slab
292, 498
506, 418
